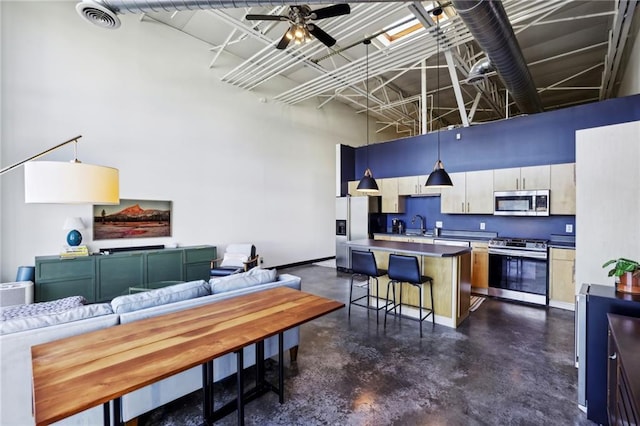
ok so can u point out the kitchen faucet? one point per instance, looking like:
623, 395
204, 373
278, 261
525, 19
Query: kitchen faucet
422, 222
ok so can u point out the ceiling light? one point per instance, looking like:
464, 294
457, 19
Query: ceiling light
438, 177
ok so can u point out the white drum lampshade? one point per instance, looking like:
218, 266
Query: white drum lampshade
70, 183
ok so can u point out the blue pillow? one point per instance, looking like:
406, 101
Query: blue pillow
253, 277
161, 296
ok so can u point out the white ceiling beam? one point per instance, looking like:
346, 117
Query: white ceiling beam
456, 88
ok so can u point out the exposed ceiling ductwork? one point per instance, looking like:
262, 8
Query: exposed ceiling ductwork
488, 23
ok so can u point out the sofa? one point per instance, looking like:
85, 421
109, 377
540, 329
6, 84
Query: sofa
24, 326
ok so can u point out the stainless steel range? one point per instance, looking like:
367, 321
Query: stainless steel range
518, 269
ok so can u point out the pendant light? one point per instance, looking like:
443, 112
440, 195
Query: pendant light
438, 177
367, 183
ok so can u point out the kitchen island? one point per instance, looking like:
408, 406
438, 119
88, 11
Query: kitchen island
449, 266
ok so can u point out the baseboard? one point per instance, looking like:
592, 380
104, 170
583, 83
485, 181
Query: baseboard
304, 262
562, 305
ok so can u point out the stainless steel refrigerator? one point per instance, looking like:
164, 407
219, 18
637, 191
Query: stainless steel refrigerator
356, 218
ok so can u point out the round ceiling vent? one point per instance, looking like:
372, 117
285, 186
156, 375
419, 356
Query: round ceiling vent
97, 14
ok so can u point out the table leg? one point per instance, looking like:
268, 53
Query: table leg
207, 390
117, 412
240, 384
260, 364
281, 367
106, 415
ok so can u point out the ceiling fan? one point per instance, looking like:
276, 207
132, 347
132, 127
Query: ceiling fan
301, 28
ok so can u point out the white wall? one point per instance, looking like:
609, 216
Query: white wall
145, 102
607, 199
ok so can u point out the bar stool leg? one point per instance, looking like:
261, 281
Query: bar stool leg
420, 312
400, 317
433, 311
350, 296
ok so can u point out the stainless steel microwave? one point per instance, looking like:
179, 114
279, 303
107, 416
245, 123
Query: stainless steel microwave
521, 203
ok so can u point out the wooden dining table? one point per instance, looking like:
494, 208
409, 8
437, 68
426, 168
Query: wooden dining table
80, 372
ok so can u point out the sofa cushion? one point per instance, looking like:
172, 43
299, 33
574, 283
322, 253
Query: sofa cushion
161, 296
246, 279
42, 308
47, 319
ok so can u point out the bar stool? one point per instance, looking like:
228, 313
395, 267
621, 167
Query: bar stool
363, 264
405, 269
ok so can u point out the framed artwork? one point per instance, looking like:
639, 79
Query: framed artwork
132, 219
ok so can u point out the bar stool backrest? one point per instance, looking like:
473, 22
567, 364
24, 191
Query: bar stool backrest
364, 262
404, 268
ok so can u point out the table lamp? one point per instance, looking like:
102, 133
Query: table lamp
74, 237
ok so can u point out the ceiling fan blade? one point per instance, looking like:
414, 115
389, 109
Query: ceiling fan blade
284, 41
329, 11
321, 35
266, 18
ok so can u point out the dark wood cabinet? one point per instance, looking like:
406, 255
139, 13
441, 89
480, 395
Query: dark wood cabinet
623, 375
100, 278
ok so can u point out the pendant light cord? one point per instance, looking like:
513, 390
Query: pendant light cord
437, 15
366, 84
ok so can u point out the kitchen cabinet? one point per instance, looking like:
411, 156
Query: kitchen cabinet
472, 193
414, 185
101, 278
562, 284
623, 383
479, 267
522, 178
563, 189
392, 202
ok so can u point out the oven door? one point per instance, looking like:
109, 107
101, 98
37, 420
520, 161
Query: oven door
518, 275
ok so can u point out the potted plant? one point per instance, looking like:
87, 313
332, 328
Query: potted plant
627, 272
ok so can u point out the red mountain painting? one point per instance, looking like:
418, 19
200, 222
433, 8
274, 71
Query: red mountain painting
132, 219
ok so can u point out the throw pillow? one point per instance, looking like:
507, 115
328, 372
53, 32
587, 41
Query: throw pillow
246, 279
161, 296
46, 320
42, 308
231, 260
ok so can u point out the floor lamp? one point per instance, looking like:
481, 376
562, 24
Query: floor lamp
57, 182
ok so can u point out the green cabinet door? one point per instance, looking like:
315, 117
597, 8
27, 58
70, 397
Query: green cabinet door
198, 262
57, 278
164, 265
117, 272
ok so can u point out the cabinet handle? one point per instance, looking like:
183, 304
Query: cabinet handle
524, 183
468, 208
517, 183
462, 206
614, 356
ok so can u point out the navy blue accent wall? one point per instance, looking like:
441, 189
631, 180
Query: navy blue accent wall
347, 159
545, 138
506, 226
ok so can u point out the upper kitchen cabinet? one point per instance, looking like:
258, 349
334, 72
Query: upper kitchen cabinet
563, 189
472, 193
414, 185
392, 202
522, 178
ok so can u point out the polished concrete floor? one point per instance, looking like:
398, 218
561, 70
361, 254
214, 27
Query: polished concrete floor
507, 364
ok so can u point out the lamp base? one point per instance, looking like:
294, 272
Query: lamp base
74, 238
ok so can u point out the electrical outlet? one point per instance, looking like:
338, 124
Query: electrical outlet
568, 228
438, 224
482, 226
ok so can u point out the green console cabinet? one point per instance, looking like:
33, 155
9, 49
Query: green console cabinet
100, 278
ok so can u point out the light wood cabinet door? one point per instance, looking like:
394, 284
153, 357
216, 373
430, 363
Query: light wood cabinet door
562, 284
563, 189
479, 265
453, 200
506, 179
391, 201
479, 192
535, 177
425, 190
522, 178
352, 188
408, 185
